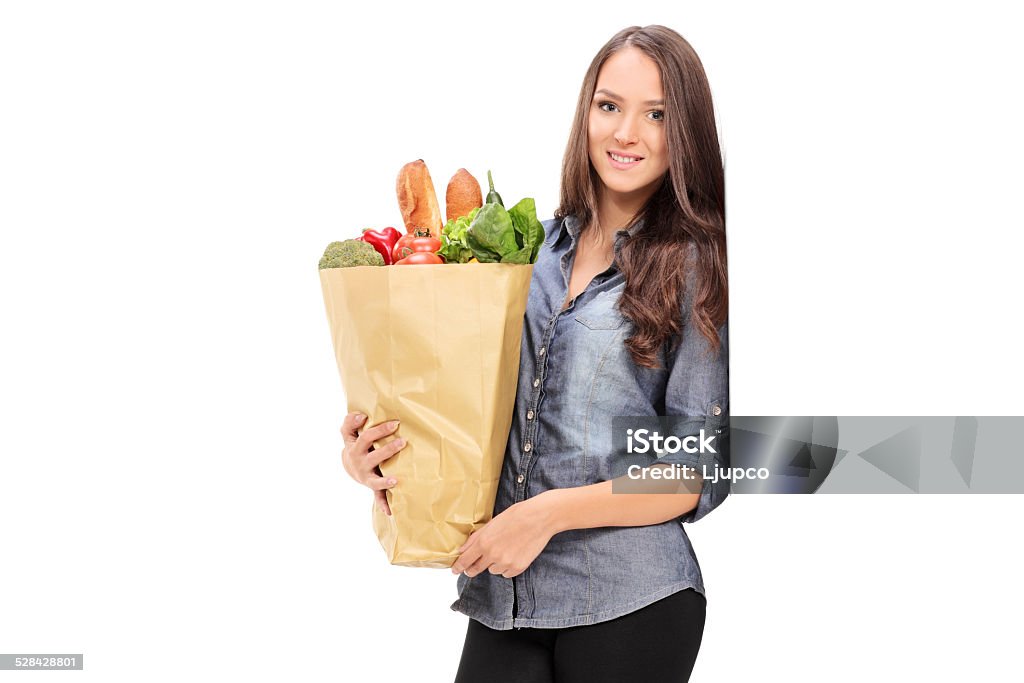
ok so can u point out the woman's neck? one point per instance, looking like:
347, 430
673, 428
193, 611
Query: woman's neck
615, 212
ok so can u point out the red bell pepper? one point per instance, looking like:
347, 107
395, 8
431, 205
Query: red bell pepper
383, 241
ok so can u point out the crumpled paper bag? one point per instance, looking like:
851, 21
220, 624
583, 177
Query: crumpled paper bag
437, 347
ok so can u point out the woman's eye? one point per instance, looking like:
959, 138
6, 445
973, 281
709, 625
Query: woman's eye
658, 114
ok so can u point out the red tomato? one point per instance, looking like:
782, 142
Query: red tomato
419, 257
415, 242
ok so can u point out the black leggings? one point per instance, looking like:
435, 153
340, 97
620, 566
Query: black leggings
658, 642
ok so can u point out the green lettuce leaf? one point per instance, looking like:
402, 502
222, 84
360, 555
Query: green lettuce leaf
529, 230
493, 228
492, 233
482, 253
522, 256
454, 246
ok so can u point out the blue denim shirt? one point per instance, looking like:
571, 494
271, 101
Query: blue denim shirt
575, 375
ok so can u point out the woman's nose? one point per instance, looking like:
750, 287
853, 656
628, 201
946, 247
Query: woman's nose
626, 132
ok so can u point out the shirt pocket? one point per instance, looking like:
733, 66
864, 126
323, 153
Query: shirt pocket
601, 314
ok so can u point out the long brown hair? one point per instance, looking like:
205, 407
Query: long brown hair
686, 213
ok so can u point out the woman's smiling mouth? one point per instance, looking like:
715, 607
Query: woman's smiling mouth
623, 161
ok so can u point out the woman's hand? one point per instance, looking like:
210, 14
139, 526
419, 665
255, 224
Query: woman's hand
362, 461
508, 543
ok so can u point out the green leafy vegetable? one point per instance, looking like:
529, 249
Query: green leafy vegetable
492, 229
529, 230
492, 234
499, 236
522, 256
454, 246
480, 251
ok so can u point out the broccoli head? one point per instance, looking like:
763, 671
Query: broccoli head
350, 253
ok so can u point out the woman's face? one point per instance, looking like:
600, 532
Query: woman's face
627, 120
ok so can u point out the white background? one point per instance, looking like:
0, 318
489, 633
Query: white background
172, 501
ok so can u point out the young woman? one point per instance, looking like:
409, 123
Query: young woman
626, 317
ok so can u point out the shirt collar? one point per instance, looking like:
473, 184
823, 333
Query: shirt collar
571, 227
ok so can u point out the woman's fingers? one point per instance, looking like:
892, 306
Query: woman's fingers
379, 455
362, 461
375, 433
482, 564
466, 560
381, 499
350, 426
469, 541
380, 483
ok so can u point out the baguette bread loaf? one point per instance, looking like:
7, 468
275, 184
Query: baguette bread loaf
417, 199
463, 195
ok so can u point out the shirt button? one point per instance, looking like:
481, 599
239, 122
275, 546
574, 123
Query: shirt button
520, 478
717, 410
529, 414
528, 447
542, 349
536, 383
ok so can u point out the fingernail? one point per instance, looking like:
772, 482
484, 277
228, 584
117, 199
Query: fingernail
360, 417
393, 424
392, 482
399, 443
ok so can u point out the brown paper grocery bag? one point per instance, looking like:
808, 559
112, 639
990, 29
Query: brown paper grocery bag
436, 346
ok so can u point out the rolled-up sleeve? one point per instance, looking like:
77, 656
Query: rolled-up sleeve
697, 398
